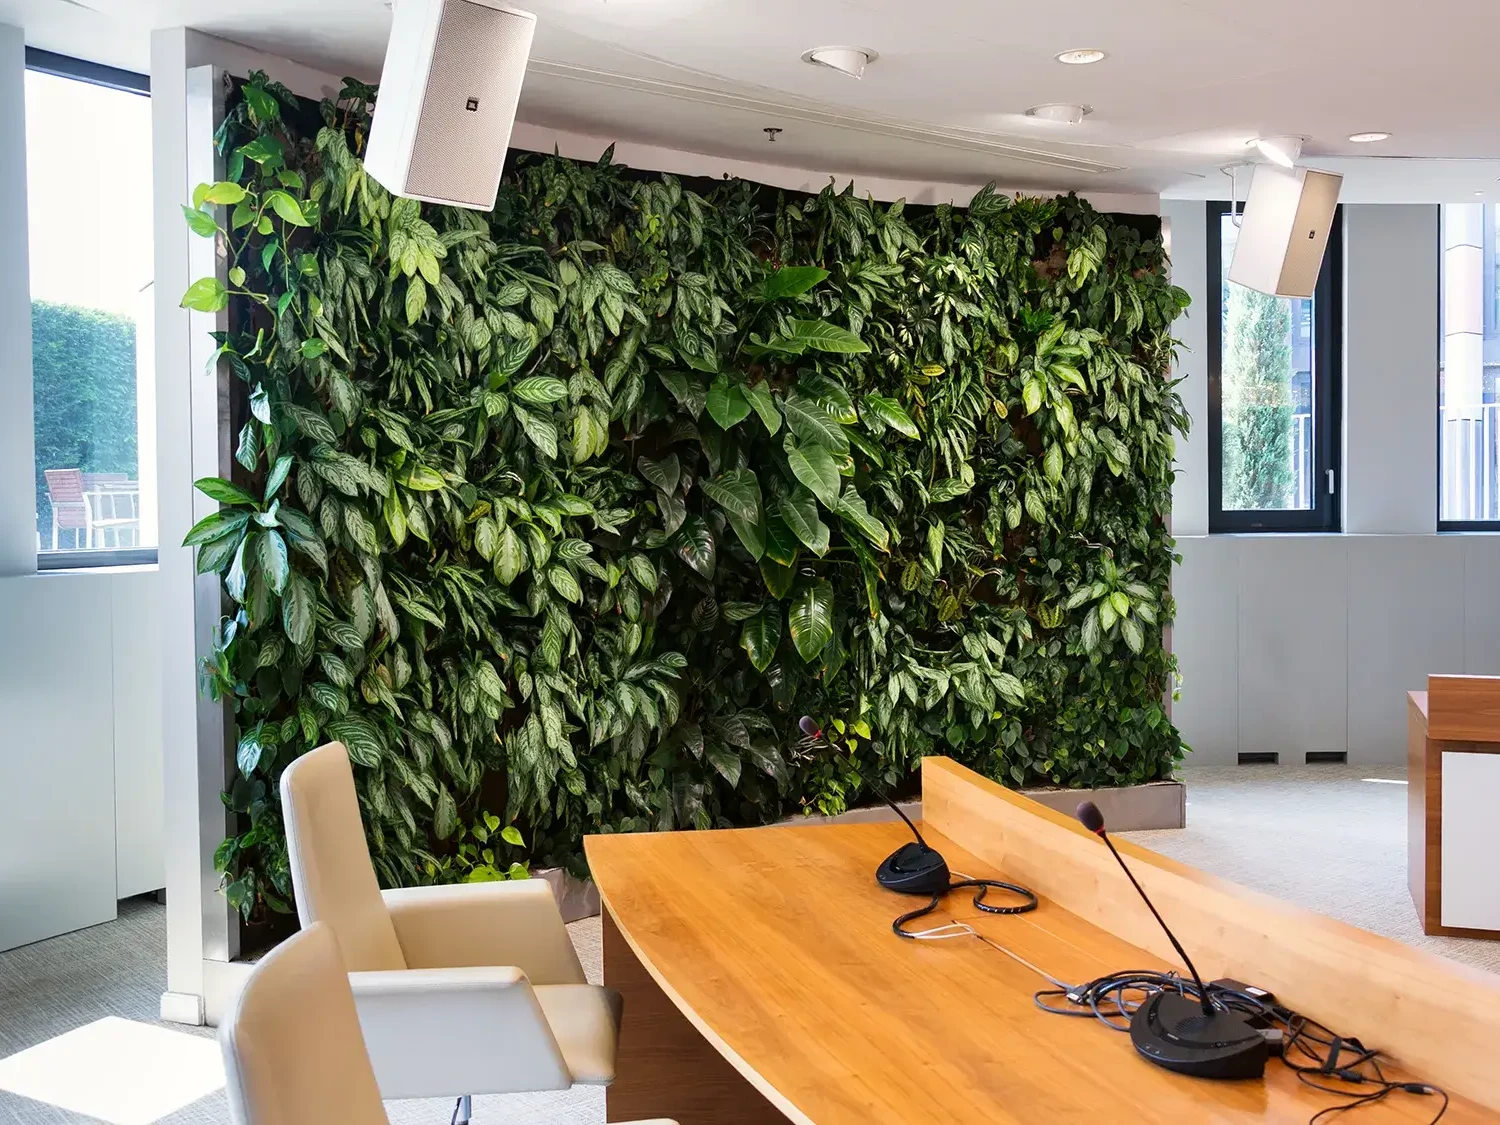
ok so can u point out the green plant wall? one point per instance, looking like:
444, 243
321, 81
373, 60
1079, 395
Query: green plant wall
572, 509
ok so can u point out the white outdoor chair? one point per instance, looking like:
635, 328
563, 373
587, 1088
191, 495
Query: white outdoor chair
470, 989
113, 504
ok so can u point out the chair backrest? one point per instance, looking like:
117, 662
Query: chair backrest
64, 486
332, 876
293, 1051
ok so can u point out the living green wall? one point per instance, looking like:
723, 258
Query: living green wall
568, 512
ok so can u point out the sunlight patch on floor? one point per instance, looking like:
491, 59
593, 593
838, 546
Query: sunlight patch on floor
120, 1071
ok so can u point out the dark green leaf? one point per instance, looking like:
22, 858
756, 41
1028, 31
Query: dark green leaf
811, 620
889, 411
813, 425
215, 526
727, 404
760, 636
815, 467
824, 337
763, 402
853, 511
737, 492
664, 473
224, 492
792, 281
695, 546
800, 511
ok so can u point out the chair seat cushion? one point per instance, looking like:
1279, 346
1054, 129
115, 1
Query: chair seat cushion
585, 1019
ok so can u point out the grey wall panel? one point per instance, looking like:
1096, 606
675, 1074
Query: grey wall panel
1406, 620
1206, 587
1390, 365
1293, 644
140, 817
1481, 588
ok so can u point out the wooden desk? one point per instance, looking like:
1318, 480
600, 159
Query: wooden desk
762, 981
1454, 723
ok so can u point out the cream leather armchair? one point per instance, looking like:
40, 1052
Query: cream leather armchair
471, 989
292, 1048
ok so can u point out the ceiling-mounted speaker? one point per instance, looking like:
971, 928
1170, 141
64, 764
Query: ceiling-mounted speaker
1285, 230
448, 95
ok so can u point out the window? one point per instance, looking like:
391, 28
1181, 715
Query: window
1273, 395
88, 167
1469, 358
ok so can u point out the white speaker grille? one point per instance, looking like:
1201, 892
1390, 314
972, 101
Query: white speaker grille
469, 105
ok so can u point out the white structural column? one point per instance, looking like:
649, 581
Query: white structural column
17, 437
191, 443
193, 440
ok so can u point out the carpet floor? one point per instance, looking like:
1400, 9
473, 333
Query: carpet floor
1330, 838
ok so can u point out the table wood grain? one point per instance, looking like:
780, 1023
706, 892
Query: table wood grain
774, 945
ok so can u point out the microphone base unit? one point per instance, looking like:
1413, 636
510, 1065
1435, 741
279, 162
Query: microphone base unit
1173, 1031
914, 869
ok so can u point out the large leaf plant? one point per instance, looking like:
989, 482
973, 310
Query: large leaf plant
577, 506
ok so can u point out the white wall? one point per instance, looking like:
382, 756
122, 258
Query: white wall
80, 749
1298, 643
80, 721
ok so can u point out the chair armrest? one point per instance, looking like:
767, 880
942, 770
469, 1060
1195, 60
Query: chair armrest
506, 923
437, 1033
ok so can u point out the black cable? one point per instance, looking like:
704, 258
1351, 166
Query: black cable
984, 887
1315, 1053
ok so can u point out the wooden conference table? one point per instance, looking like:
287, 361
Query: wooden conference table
762, 982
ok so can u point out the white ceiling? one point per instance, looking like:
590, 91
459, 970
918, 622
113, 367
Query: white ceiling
1187, 82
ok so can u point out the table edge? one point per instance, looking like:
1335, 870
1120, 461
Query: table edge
712, 1037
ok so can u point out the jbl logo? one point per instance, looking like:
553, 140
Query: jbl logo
472, 105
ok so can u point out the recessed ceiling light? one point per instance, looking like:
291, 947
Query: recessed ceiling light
1066, 113
1279, 150
1081, 56
846, 60
1369, 138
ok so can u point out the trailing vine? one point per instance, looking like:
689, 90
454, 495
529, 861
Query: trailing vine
575, 507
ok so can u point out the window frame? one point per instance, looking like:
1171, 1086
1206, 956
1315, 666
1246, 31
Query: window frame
1492, 273
1326, 514
97, 74
126, 81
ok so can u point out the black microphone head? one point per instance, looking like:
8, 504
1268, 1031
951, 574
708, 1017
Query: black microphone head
810, 727
1090, 817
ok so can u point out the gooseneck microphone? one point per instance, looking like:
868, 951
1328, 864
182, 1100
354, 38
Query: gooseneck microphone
1170, 1030
916, 868
809, 727
1091, 818
912, 869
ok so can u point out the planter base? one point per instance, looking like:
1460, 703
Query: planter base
1158, 804
576, 898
